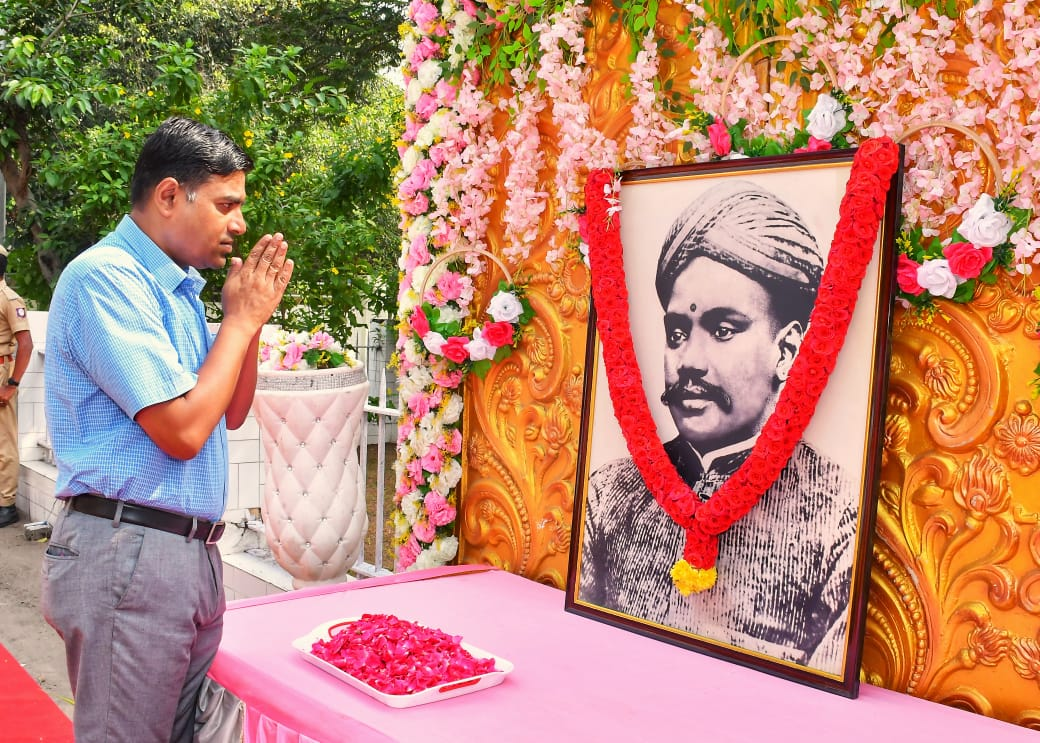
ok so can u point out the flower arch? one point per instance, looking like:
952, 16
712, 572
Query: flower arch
466, 61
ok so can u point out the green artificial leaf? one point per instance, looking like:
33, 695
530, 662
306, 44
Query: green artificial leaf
502, 353
480, 368
965, 291
1020, 218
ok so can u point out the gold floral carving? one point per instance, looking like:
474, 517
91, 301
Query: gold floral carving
953, 612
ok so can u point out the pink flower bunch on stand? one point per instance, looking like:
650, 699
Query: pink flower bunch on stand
283, 350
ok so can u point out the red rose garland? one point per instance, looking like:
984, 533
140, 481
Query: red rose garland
860, 213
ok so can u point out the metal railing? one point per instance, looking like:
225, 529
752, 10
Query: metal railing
385, 419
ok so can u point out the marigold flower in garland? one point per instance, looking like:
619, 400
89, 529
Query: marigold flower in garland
689, 579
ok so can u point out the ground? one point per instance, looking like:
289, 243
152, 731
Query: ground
23, 630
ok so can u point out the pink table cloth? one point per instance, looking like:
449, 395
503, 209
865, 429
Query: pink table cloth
575, 679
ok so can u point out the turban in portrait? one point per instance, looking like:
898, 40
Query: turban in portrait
750, 230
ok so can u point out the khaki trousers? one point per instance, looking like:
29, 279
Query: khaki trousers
8, 443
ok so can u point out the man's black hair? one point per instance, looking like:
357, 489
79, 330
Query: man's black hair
190, 152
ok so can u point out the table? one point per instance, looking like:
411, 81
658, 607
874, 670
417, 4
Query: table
575, 679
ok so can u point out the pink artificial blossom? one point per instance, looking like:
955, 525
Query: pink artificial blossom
418, 205
292, 357
419, 322
438, 510
407, 553
445, 92
967, 260
906, 275
815, 145
424, 531
322, 341
423, 14
427, 105
449, 379
432, 460
454, 349
419, 403
415, 470
721, 141
418, 250
449, 284
453, 445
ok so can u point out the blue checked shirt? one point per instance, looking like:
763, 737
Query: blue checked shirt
127, 330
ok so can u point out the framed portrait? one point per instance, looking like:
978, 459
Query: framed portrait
737, 299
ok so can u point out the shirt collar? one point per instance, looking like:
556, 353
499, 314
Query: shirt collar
725, 459
156, 262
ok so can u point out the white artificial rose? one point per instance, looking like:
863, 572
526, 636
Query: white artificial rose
434, 342
451, 409
419, 274
478, 348
409, 159
449, 314
983, 226
445, 548
826, 119
439, 123
422, 376
410, 503
428, 75
413, 92
448, 477
419, 227
425, 559
463, 23
401, 526
936, 278
505, 307
408, 46
425, 137
423, 439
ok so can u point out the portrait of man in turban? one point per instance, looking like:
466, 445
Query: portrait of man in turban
736, 278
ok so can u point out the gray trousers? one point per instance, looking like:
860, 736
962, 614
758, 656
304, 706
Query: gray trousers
141, 612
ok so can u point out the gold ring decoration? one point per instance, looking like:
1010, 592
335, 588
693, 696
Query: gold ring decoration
986, 147
750, 51
455, 252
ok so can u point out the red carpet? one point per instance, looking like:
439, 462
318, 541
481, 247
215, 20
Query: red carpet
26, 712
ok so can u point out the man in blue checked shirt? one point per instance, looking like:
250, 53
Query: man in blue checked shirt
139, 398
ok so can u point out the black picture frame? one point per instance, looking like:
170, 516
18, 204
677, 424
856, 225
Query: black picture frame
618, 538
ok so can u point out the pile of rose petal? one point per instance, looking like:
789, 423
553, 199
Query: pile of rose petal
395, 656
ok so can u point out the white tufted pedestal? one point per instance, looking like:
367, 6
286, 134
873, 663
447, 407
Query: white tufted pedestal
314, 511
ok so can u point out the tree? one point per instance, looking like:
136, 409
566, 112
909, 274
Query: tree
347, 44
79, 96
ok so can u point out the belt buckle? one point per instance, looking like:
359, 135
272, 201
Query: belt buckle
216, 531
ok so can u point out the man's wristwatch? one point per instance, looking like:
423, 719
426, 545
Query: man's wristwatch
12, 382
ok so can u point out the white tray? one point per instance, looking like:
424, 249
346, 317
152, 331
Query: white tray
432, 694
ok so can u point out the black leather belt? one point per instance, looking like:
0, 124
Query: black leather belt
174, 523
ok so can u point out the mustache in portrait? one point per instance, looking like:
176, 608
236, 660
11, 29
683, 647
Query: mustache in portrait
689, 386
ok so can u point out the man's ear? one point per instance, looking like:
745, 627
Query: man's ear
164, 196
788, 341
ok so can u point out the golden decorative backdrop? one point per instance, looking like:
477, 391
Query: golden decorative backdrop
954, 611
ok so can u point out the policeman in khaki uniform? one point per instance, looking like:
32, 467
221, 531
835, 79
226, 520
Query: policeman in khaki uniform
16, 347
